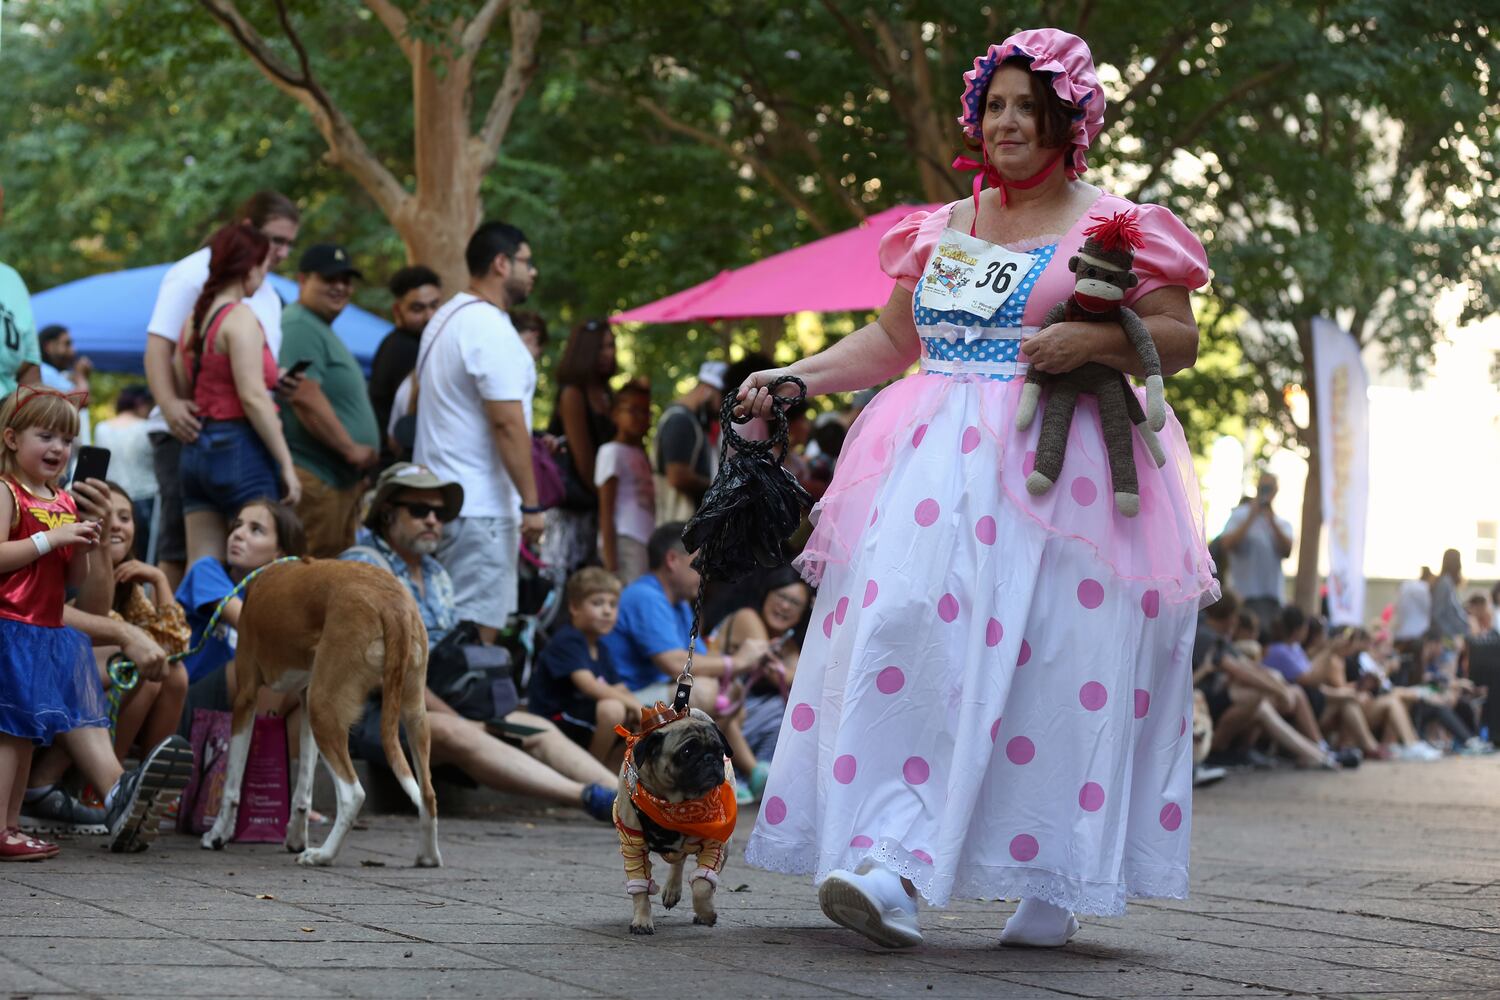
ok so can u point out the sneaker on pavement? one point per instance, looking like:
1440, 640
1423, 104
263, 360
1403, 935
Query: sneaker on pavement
59, 812
872, 901
134, 815
599, 802
1203, 775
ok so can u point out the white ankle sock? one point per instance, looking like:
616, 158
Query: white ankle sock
1037, 924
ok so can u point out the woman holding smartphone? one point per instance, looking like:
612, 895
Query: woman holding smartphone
227, 368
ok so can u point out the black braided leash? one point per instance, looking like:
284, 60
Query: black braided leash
751, 508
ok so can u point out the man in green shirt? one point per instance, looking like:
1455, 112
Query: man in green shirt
330, 426
20, 358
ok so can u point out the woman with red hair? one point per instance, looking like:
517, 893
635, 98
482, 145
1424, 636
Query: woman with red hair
226, 367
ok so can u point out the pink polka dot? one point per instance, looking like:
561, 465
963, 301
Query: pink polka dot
984, 530
1025, 656
994, 729
1091, 594
1084, 491
871, 590
1142, 703
970, 440
1020, 750
915, 771
948, 608
1028, 464
1151, 603
1024, 847
890, 680
874, 513
775, 810
1091, 797
1182, 726
861, 841
1171, 816
993, 633
927, 512
916, 439
841, 610
1092, 696
828, 625
803, 717
922, 856
844, 768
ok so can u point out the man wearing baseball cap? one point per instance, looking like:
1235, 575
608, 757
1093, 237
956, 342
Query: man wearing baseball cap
330, 425
685, 458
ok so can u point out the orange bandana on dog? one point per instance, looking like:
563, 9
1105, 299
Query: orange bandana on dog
711, 817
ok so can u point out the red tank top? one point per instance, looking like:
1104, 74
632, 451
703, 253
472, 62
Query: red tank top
35, 593
213, 387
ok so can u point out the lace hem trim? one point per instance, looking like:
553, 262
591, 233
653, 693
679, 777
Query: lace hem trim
1100, 899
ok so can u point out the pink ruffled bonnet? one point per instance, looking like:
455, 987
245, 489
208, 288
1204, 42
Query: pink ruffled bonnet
1069, 64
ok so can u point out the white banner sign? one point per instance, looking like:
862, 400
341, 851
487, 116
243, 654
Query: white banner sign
1344, 465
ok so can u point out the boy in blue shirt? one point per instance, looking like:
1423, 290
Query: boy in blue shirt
575, 683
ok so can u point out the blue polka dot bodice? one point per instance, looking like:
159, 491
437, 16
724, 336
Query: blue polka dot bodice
959, 343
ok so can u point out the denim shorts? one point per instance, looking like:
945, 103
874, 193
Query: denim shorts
227, 466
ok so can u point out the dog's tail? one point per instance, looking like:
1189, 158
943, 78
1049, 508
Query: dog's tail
405, 664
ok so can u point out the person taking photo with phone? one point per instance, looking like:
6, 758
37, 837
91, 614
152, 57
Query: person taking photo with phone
1257, 541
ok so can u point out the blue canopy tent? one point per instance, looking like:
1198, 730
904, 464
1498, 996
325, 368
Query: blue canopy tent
107, 315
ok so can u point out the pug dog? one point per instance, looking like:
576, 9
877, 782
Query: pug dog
676, 798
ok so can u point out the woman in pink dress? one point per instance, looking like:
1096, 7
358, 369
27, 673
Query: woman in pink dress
995, 700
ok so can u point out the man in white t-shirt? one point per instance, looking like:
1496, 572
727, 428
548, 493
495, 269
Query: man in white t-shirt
175, 421
474, 385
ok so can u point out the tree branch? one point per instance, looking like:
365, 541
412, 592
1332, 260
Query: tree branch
344, 143
760, 168
479, 28
395, 22
525, 30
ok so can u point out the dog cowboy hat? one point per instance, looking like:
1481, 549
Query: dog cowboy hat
410, 476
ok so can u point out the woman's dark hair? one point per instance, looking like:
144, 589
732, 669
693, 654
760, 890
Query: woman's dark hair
412, 277
1452, 566
579, 364
263, 206
132, 396
1317, 629
781, 576
1288, 622
523, 320
235, 250
1054, 120
291, 537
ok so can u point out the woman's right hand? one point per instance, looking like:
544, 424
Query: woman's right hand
755, 398
84, 533
293, 494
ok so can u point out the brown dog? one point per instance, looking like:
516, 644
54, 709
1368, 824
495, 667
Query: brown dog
675, 799
335, 631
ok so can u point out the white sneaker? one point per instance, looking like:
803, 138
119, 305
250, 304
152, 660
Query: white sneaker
1036, 924
872, 901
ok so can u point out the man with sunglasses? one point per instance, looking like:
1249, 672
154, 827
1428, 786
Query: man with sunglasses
409, 507
330, 425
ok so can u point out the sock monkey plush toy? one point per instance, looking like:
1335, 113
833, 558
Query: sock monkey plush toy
1103, 268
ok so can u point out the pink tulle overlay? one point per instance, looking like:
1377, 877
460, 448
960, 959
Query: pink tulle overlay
973, 418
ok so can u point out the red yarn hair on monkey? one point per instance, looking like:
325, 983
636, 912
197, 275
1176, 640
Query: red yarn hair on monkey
1119, 232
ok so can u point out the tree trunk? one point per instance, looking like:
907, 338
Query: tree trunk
1305, 591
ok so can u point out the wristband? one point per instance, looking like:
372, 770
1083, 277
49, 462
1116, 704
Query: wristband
525, 509
42, 542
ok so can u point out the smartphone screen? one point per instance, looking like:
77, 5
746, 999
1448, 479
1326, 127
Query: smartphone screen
93, 463
298, 367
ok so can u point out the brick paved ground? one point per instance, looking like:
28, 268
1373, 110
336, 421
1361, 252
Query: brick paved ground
1380, 883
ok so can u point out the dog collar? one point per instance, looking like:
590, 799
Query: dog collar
709, 817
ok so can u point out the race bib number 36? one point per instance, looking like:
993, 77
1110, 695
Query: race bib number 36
970, 274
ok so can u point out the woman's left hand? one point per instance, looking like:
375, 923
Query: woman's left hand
135, 571
1059, 348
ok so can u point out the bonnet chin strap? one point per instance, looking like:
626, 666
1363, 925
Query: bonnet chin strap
985, 171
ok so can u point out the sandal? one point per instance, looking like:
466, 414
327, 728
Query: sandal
17, 846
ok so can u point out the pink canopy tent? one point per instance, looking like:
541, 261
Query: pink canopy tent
837, 273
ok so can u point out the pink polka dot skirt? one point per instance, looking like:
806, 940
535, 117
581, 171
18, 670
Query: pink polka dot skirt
992, 699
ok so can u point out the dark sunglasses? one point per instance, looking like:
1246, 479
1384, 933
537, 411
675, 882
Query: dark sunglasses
421, 511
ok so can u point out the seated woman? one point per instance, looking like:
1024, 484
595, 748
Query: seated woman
149, 713
1319, 669
756, 699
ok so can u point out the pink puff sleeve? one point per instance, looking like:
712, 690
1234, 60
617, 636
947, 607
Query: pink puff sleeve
1172, 255
905, 247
